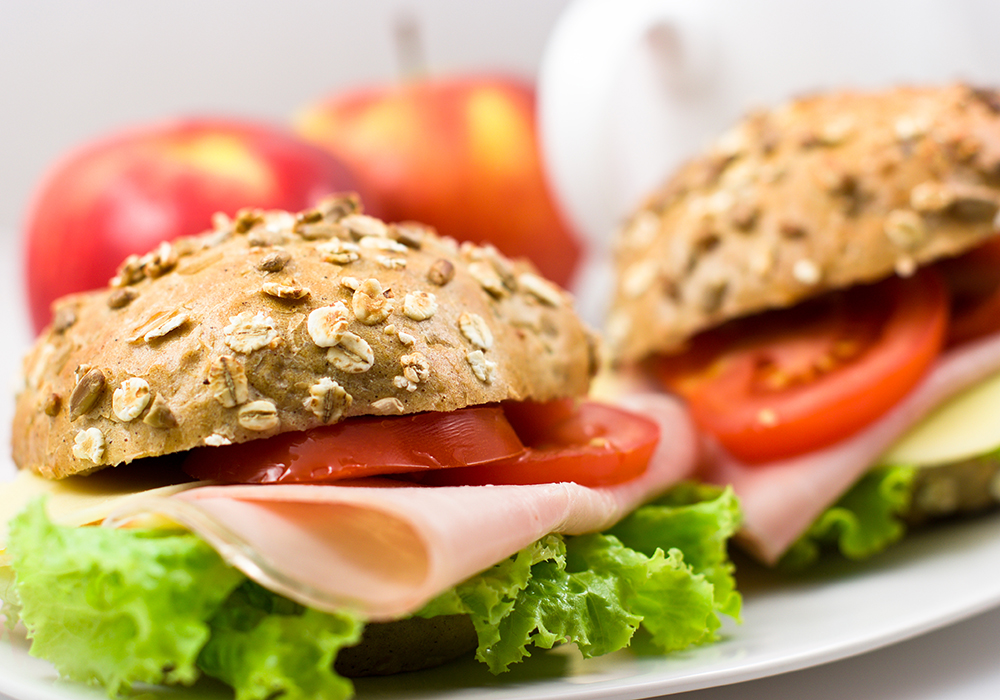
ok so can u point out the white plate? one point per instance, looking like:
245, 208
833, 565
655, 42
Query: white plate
839, 610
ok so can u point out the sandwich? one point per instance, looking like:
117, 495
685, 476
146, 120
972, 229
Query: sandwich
822, 289
322, 446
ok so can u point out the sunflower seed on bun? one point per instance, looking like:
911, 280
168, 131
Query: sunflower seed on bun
276, 322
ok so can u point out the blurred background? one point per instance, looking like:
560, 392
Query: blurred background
626, 90
72, 70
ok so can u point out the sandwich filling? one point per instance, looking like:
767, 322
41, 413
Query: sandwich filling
321, 559
517, 443
799, 403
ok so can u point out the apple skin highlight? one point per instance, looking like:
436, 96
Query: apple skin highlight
460, 154
124, 194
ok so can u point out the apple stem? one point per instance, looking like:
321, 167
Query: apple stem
412, 59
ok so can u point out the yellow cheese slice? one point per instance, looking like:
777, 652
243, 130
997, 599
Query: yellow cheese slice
966, 426
82, 500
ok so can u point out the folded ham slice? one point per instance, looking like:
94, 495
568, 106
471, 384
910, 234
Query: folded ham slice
385, 548
781, 499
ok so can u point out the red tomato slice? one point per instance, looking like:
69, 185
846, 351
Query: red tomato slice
534, 421
973, 281
363, 447
593, 445
795, 380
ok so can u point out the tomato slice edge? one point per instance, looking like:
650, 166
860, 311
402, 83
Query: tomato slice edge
598, 445
973, 280
760, 429
589, 443
363, 446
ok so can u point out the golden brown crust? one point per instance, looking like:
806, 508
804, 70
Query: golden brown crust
278, 322
819, 194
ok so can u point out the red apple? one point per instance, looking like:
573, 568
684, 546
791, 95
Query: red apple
126, 193
460, 154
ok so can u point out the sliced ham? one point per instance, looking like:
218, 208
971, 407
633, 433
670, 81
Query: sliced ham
388, 548
781, 499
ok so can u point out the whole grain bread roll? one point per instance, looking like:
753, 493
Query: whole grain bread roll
821, 193
275, 322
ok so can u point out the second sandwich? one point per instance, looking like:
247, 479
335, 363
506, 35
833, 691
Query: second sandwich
823, 278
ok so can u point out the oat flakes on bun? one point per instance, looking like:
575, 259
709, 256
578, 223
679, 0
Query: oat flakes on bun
319, 431
277, 322
822, 278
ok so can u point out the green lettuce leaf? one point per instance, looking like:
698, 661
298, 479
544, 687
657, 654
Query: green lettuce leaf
596, 590
863, 522
116, 607
264, 646
121, 607
489, 598
698, 519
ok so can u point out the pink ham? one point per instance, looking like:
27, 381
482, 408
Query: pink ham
387, 549
781, 499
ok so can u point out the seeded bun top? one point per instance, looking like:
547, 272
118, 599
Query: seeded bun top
276, 322
821, 193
